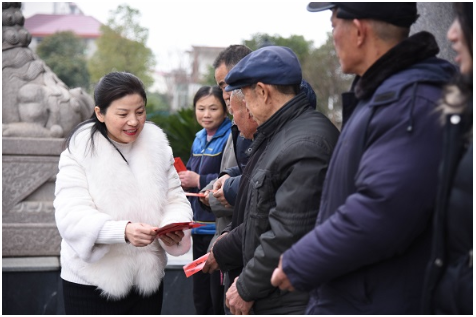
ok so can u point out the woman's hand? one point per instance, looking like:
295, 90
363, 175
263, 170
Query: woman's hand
172, 238
189, 179
140, 234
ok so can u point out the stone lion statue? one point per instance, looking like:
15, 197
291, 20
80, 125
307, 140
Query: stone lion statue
35, 102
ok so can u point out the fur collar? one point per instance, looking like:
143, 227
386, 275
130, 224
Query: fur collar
412, 50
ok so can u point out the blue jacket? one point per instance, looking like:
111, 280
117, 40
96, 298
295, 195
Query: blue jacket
231, 185
205, 160
368, 251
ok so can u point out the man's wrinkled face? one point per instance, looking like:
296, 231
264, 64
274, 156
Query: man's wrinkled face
343, 41
241, 115
256, 107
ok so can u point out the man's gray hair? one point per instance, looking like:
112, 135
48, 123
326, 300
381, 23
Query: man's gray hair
238, 93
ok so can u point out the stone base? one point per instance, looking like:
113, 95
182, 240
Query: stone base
29, 168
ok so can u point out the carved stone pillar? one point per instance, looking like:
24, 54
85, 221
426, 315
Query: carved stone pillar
29, 168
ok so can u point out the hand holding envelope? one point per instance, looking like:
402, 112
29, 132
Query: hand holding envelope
177, 226
172, 234
195, 266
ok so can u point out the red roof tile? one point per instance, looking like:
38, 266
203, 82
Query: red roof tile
40, 25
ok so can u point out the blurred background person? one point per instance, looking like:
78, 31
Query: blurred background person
449, 284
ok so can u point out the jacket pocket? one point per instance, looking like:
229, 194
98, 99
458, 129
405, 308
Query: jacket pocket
257, 213
261, 195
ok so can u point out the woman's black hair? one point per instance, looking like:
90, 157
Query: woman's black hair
464, 82
210, 91
111, 87
464, 14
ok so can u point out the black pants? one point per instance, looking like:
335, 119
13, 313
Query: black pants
208, 292
87, 300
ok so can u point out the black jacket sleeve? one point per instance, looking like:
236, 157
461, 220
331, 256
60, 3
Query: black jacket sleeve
227, 250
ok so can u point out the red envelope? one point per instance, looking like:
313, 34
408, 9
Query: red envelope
194, 194
195, 266
198, 194
179, 166
177, 226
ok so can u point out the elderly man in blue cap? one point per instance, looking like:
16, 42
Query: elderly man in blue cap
281, 185
368, 251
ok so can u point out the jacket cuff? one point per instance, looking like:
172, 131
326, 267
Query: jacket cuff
112, 232
241, 288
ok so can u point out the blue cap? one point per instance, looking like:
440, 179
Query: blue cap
272, 65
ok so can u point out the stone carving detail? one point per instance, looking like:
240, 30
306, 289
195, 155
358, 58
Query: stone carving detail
42, 239
22, 175
35, 102
30, 212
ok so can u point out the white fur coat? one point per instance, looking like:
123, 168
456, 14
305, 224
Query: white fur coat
95, 187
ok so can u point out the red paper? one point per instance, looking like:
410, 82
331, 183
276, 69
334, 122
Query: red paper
198, 194
195, 266
177, 226
194, 194
179, 166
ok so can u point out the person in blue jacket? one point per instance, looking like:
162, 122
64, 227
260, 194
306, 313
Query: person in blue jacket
202, 167
368, 251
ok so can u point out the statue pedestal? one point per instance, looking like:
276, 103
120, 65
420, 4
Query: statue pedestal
29, 171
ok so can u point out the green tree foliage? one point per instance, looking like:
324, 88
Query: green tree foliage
322, 70
209, 78
297, 43
180, 128
64, 53
122, 47
156, 102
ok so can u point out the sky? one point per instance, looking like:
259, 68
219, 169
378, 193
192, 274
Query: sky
175, 26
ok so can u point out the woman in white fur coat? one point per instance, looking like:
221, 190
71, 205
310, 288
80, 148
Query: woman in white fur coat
115, 187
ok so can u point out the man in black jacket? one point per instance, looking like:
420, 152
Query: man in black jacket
281, 184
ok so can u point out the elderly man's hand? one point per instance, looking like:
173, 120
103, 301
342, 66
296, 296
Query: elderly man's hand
220, 196
205, 200
234, 301
280, 279
220, 182
211, 265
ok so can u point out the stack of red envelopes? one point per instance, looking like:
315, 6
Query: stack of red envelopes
177, 226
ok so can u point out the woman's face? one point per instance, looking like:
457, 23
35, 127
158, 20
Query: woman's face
124, 118
459, 45
209, 112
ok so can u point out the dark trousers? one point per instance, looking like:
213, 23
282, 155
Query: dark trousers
87, 300
208, 293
